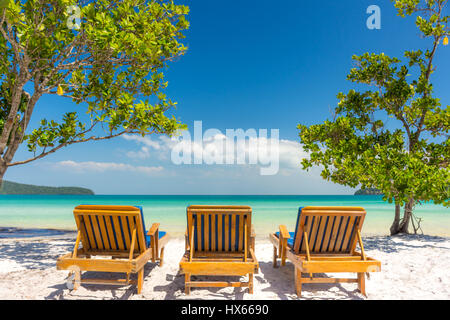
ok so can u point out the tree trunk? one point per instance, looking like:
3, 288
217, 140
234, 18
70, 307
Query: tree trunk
3, 168
395, 225
402, 225
407, 215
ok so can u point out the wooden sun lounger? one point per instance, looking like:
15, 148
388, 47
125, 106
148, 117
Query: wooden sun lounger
324, 241
112, 239
219, 241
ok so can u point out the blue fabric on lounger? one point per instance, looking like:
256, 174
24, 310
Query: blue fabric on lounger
298, 219
124, 223
160, 235
147, 238
292, 234
318, 244
237, 235
290, 241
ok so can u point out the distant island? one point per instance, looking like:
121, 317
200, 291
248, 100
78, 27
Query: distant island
9, 187
368, 191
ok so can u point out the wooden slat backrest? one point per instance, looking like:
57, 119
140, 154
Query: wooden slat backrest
109, 228
329, 230
219, 228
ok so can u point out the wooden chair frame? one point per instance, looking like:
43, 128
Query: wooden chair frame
221, 261
325, 261
127, 255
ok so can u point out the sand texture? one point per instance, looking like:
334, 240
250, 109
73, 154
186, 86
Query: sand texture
413, 267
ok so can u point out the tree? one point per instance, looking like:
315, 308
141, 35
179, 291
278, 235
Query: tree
394, 136
108, 59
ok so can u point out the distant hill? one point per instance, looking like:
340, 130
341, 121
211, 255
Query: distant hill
9, 187
368, 191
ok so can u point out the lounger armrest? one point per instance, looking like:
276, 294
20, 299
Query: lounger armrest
153, 229
284, 232
282, 244
252, 238
186, 240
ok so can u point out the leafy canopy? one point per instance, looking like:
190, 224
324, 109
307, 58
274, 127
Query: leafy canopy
112, 66
394, 136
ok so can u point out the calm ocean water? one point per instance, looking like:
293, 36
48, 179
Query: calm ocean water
55, 212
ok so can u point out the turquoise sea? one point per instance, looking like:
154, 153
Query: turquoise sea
55, 212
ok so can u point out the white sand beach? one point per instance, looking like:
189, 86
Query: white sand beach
413, 267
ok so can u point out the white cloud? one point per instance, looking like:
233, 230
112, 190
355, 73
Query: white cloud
159, 149
143, 140
143, 153
291, 154
92, 166
214, 147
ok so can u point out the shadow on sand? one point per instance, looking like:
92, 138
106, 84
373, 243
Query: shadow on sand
39, 254
42, 254
117, 291
285, 275
403, 242
177, 285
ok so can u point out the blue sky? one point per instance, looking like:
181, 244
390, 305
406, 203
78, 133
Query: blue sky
250, 64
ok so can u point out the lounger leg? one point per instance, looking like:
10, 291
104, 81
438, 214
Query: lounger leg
140, 280
362, 283
275, 256
187, 288
298, 282
283, 253
75, 271
250, 283
161, 261
154, 253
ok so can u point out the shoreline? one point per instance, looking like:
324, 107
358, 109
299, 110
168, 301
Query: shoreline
16, 233
31, 233
35, 233
40, 233
50, 212
28, 271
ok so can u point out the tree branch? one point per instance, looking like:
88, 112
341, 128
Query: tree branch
93, 138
